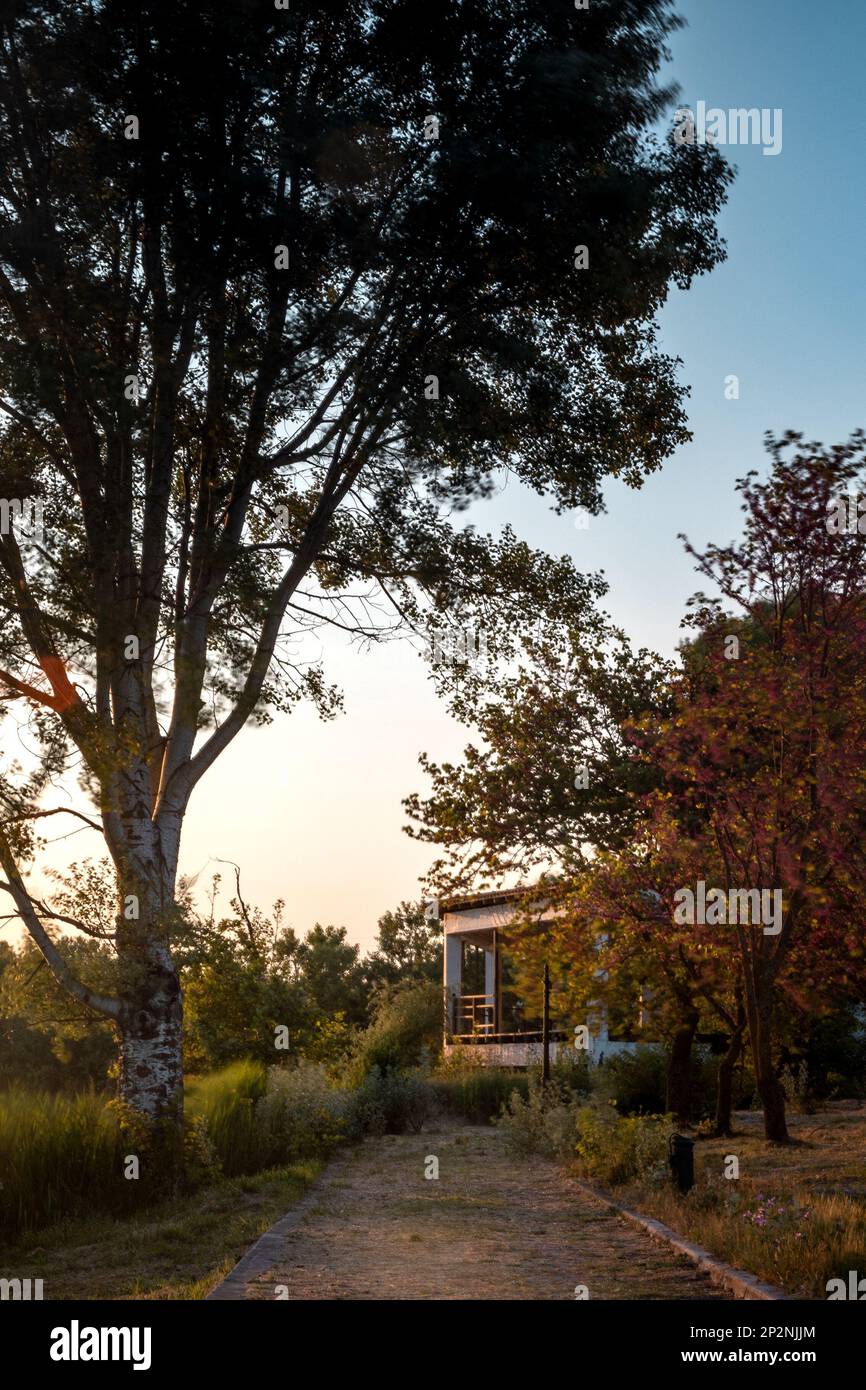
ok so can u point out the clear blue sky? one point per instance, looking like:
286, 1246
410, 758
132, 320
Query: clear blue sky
312, 812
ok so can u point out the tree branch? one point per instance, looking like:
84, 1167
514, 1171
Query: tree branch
29, 916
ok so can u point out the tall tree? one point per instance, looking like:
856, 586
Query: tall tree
553, 774
282, 290
408, 947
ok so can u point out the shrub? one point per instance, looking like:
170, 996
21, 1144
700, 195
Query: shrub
572, 1073
301, 1114
617, 1149
541, 1120
475, 1091
406, 1031
635, 1081
609, 1147
389, 1102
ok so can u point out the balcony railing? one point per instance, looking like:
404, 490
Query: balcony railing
472, 1019
474, 1014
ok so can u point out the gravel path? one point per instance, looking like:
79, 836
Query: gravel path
490, 1227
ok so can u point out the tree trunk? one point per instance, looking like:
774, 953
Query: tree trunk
151, 1014
151, 1073
679, 1078
723, 1127
151, 1045
759, 977
770, 1089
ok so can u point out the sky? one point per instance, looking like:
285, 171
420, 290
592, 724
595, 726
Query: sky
312, 811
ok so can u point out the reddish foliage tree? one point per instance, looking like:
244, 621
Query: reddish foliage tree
763, 759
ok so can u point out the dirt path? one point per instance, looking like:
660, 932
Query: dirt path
490, 1227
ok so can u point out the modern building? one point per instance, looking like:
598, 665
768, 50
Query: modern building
485, 1019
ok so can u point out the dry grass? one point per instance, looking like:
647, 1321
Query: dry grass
796, 1216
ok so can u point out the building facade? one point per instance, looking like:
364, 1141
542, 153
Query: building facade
485, 1019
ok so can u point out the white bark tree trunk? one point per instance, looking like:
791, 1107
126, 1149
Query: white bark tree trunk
151, 1044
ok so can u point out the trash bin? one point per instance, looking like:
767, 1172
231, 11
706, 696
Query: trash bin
681, 1153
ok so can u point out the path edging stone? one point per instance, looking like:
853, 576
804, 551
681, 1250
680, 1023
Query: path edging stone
265, 1253
738, 1281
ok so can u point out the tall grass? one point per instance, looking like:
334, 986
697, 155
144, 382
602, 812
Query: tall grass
477, 1093
60, 1156
225, 1102
63, 1156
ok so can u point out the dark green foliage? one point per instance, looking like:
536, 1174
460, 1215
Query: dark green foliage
635, 1082
330, 967
511, 801
406, 1030
408, 947
478, 1094
390, 1102
46, 1040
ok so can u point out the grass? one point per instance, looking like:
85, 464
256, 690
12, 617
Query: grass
56, 1152
176, 1250
63, 1157
225, 1102
796, 1216
477, 1093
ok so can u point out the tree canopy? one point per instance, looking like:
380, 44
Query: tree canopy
282, 291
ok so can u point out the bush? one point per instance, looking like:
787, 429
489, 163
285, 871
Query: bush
406, 1031
389, 1102
572, 1073
541, 1120
617, 1149
609, 1147
301, 1115
635, 1082
259, 1118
